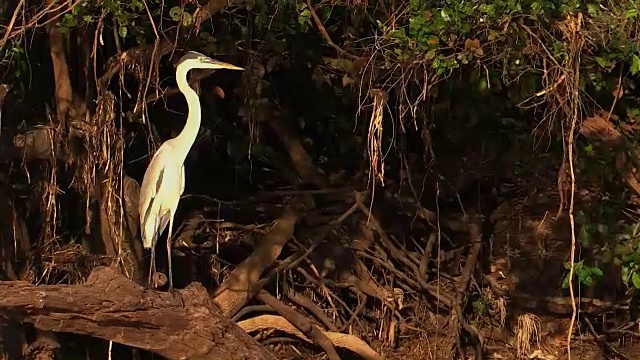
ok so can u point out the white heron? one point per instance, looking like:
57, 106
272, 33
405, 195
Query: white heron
163, 182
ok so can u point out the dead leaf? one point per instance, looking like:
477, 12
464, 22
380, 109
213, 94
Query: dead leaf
618, 92
346, 81
452, 41
319, 77
471, 44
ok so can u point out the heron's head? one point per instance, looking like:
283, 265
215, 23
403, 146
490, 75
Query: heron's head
196, 60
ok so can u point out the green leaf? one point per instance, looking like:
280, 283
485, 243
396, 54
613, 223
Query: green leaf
593, 9
597, 271
122, 31
304, 16
483, 85
631, 13
76, 10
635, 64
186, 19
175, 13
445, 16
602, 62
431, 54
635, 279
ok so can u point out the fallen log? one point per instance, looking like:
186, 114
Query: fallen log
180, 325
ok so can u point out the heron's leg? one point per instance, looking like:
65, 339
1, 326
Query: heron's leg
152, 267
169, 252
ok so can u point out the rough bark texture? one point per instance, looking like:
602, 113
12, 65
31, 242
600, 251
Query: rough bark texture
180, 325
64, 91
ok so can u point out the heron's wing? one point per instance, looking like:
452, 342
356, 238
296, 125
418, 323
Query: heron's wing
150, 186
164, 221
182, 179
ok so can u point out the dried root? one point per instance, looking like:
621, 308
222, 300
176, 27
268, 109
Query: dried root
527, 332
274, 322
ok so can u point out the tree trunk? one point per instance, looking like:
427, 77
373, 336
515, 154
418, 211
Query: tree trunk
178, 325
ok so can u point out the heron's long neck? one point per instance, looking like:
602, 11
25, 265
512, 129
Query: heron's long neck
188, 135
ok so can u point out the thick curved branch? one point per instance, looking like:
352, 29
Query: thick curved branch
239, 287
181, 325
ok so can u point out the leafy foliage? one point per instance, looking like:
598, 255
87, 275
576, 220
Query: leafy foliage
584, 274
511, 54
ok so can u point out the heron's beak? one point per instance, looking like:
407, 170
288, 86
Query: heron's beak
215, 64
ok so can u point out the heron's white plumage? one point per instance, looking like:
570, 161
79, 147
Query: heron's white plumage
163, 182
158, 198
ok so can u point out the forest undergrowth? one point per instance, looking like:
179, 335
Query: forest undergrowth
385, 179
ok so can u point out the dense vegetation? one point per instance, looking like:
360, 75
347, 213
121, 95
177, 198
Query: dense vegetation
453, 174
